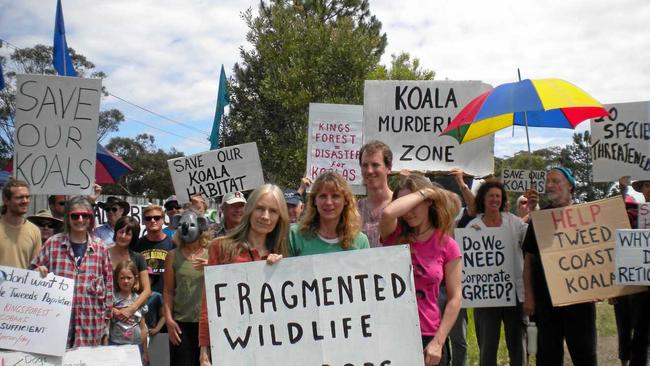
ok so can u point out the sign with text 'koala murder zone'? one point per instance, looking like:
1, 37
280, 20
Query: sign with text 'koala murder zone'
352, 308
334, 140
217, 172
632, 257
620, 142
488, 267
55, 136
34, 311
577, 248
409, 117
518, 180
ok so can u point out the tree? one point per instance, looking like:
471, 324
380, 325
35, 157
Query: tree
150, 176
402, 68
38, 60
302, 52
577, 157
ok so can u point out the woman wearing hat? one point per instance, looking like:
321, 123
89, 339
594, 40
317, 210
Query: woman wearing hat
46, 223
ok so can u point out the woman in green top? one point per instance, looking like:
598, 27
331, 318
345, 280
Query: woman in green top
331, 222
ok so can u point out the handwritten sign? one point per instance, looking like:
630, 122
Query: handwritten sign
643, 216
619, 143
217, 172
577, 248
135, 211
335, 138
127, 355
632, 255
55, 137
352, 308
35, 311
518, 180
488, 267
409, 117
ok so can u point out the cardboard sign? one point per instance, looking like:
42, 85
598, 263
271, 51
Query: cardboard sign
488, 267
217, 172
577, 248
519, 180
35, 313
409, 117
643, 216
127, 355
619, 143
632, 257
334, 139
55, 138
350, 308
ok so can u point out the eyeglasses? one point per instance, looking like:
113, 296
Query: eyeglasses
76, 215
112, 209
154, 218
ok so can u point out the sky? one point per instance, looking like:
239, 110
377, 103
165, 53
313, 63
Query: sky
166, 55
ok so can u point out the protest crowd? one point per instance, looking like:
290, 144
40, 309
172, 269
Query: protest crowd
130, 286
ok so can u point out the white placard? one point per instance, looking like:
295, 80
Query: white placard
217, 172
488, 267
35, 311
519, 180
55, 139
127, 355
350, 308
643, 216
632, 253
409, 117
619, 143
334, 139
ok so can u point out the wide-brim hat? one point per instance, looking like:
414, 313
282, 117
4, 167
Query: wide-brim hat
638, 184
46, 216
115, 201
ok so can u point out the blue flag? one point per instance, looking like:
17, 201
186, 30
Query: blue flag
222, 101
61, 55
2, 78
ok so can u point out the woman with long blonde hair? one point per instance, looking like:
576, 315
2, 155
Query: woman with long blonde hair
331, 222
261, 235
422, 215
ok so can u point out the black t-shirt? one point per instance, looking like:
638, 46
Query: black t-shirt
529, 246
154, 253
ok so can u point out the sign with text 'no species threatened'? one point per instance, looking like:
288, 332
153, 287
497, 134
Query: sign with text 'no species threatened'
488, 267
351, 308
55, 136
409, 117
620, 142
334, 140
577, 248
632, 257
35, 312
217, 172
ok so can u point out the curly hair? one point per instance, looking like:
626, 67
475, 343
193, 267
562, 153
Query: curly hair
482, 193
443, 211
349, 224
277, 241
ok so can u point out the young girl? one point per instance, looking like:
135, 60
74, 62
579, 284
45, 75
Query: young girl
133, 331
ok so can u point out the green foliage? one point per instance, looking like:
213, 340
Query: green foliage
302, 51
402, 68
38, 60
150, 176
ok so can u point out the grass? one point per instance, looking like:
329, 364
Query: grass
605, 323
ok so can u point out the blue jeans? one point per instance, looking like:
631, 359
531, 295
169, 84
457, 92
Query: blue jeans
154, 303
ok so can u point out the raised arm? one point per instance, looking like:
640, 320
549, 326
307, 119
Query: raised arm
399, 207
468, 196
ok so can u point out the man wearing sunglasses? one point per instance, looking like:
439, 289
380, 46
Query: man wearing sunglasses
115, 208
172, 208
56, 204
20, 240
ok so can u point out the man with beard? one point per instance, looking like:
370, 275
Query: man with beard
20, 240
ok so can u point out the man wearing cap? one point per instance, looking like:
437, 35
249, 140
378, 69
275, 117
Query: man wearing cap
232, 209
172, 208
115, 208
294, 204
20, 240
574, 323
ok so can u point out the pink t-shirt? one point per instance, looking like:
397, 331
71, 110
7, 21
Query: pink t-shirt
429, 259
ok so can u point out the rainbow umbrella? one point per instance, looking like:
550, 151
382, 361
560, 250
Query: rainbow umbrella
536, 103
109, 167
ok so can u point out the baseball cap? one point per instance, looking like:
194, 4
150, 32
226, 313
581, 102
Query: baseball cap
233, 197
292, 197
171, 202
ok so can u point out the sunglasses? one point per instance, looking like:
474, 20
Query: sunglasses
112, 209
62, 203
85, 215
46, 225
173, 208
154, 218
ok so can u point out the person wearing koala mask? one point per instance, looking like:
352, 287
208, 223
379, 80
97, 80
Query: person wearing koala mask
184, 287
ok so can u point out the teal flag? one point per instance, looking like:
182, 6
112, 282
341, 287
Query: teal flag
222, 102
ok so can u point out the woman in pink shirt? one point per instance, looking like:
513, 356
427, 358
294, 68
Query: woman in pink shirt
422, 215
